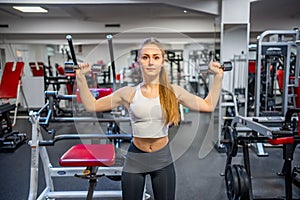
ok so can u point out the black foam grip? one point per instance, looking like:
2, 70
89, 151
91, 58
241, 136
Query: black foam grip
226, 66
69, 39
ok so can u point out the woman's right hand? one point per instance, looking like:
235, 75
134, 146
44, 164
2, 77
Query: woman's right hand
215, 68
80, 73
83, 69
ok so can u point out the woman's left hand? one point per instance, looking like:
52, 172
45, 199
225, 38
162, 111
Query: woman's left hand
215, 68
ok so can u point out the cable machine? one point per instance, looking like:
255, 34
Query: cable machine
275, 62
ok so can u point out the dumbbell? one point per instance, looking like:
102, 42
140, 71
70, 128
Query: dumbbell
226, 66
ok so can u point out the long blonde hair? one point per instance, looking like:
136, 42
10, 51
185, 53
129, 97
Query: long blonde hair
168, 100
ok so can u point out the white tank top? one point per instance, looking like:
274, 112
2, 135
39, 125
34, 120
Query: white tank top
146, 117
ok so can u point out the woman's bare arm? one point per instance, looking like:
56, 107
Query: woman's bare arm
117, 98
197, 103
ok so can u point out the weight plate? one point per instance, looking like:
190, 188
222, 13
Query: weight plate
296, 176
230, 141
244, 182
232, 183
240, 178
235, 143
245, 194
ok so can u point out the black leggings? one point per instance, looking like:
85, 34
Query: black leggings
158, 165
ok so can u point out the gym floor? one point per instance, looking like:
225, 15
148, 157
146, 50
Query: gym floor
198, 164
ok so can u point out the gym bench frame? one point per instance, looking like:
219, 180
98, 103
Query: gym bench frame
38, 149
286, 136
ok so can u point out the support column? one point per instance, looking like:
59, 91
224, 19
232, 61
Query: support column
235, 30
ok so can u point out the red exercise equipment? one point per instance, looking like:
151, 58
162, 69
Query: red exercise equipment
96, 92
36, 69
10, 85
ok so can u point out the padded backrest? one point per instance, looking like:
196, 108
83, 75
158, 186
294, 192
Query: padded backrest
36, 70
10, 80
60, 69
251, 67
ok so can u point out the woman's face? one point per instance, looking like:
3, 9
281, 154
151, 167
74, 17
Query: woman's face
151, 60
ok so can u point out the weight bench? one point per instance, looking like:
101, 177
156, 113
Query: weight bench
90, 156
36, 69
10, 85
88, 161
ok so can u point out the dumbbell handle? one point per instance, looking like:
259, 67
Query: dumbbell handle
226, 66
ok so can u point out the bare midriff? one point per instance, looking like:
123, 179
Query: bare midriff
150, 144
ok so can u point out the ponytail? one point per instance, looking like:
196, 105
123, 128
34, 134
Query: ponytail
168, 99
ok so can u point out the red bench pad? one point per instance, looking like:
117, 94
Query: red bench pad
36, 70
10, 80
96, 92
86, 155
283, 140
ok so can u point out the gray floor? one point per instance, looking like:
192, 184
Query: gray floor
198, 164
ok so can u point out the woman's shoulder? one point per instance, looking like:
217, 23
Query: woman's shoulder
178, 90
127, 93
126, 90
176, 87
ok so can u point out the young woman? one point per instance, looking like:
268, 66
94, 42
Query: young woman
152, 107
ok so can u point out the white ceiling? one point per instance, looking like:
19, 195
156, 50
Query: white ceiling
90, 19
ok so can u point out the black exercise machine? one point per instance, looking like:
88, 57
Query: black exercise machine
9, 139
237, 176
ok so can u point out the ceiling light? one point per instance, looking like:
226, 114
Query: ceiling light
31, 9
